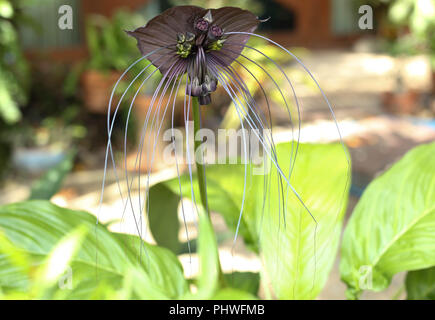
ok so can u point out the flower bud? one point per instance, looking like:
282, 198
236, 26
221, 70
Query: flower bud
201, 25
215, 32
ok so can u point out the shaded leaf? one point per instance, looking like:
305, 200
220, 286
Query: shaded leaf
420, 284
245, 281
163, 217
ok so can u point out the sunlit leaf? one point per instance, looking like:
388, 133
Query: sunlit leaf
299, 253
392, 228
209, 272
60, 257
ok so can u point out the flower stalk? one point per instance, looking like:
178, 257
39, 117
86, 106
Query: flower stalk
199, 160
200, 170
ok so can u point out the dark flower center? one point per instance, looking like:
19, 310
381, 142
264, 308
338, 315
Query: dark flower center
194, 46
208, 36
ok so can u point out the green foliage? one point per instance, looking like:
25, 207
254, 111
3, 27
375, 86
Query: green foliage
64, 254
40, 241
392, 228
420, 284
13, 66
303, 268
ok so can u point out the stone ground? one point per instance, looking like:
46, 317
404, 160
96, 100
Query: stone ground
354, 83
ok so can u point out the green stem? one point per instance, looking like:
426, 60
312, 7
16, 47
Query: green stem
200, 171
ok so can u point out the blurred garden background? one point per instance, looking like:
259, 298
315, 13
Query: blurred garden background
55, 84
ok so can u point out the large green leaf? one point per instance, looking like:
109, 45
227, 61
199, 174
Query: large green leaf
420, 284
208, 278
297, 259
298, 253
392, 228
35, 227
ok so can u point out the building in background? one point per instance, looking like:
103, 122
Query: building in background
309, 23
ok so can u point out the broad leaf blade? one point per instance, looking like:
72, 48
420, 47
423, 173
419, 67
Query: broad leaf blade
298, 253
208, 279
392, 228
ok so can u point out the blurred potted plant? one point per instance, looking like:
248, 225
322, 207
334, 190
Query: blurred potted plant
110, 53
39, 148
50, 123
415, 33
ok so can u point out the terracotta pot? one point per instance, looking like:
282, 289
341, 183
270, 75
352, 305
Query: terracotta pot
96, 89
400, 102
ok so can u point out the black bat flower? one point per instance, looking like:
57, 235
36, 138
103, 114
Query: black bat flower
204, 48
190, 38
